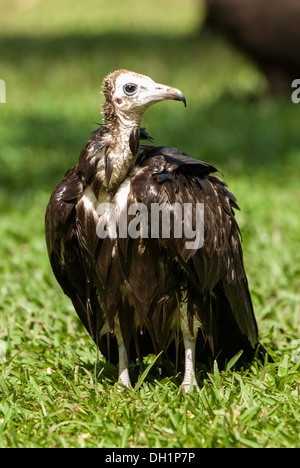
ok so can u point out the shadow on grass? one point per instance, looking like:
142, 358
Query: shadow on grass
107, 372
107, 48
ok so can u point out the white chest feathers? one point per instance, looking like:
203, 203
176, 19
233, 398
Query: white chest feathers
105, 210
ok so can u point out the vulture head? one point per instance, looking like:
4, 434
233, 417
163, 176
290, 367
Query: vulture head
129, 94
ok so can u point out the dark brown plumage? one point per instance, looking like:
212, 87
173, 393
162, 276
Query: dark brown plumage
153, 286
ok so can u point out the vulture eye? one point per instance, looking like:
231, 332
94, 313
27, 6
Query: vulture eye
130, 89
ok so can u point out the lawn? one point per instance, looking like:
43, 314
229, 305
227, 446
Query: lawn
55, 390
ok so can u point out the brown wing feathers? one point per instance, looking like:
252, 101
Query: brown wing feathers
218, 288
145, 281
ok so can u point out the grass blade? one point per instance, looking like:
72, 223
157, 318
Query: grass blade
145, 373
233, 360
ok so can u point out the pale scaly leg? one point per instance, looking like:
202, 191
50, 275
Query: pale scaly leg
123, 378
189, 381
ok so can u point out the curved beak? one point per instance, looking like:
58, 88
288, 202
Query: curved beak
163, 92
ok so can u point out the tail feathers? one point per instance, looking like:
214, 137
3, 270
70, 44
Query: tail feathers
234, 322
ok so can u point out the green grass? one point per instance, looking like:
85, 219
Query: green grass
54, 389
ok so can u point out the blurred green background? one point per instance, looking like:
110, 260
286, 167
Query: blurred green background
53, 57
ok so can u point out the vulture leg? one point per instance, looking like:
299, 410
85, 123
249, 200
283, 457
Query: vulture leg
189, 341
123, 378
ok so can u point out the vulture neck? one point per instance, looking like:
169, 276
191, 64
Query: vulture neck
124, 151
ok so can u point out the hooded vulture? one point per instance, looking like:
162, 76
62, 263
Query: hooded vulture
144, 241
